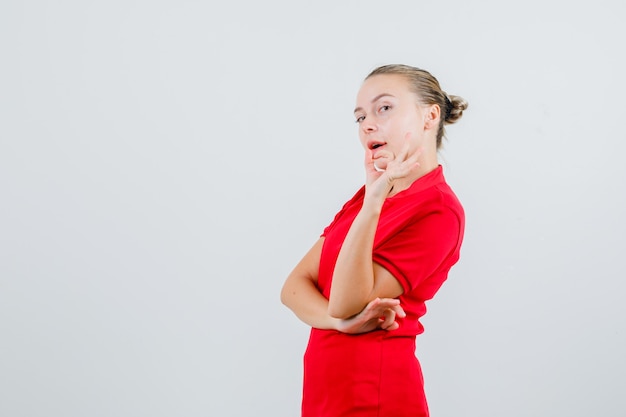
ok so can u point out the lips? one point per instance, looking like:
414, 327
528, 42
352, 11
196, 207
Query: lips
374, 144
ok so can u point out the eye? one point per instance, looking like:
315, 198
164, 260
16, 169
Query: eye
384, 108
360, 119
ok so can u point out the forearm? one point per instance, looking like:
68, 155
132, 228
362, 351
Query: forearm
353, 278
302, 296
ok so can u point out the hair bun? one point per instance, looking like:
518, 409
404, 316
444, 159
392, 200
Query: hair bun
456, 106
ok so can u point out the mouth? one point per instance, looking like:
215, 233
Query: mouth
375, 144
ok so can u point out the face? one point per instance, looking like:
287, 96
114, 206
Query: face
386, 111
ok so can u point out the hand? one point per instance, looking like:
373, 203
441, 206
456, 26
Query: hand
380, 182
380, 313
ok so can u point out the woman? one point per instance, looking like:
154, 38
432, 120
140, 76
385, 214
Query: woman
363, 285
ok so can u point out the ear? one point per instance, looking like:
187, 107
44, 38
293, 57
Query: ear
432, 115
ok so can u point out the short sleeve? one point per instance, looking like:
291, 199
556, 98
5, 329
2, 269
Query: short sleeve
422, 249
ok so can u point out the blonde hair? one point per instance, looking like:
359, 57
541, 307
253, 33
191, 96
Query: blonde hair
428, 91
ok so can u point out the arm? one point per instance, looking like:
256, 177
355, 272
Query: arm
357, 279
301, 295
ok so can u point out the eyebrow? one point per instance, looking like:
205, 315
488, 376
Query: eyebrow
375, 99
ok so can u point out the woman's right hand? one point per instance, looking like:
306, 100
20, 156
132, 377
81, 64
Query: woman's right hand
379, 313
380, 179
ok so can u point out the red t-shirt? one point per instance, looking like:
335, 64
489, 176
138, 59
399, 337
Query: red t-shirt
418, 240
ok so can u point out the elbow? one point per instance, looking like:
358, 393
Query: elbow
345, 306
338, 315
341, 312
284, 296
288, 294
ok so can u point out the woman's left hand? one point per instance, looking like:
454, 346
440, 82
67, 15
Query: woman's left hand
379, 313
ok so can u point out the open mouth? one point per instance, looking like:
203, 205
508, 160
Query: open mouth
376, 145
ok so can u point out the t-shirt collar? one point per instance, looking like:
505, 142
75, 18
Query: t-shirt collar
431, 179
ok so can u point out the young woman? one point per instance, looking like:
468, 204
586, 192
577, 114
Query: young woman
363, 285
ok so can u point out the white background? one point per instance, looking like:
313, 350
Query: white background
165, 164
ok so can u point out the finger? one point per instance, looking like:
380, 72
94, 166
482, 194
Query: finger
369, 161
393, 304
394, 326
389, 319
376, 165
412, 160
372, 305
415, 157
407, 144
399, 311
382, 158
406, 166
388, 302
384, 153
402, 155
404, 152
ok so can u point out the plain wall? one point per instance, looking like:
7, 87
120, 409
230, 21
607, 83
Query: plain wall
165, 164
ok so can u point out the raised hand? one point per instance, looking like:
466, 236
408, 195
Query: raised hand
384, 170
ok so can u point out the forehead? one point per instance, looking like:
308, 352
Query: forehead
393, 84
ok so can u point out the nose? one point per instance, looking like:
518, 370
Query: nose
368, 125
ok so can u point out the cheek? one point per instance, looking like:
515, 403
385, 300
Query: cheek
410, 124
